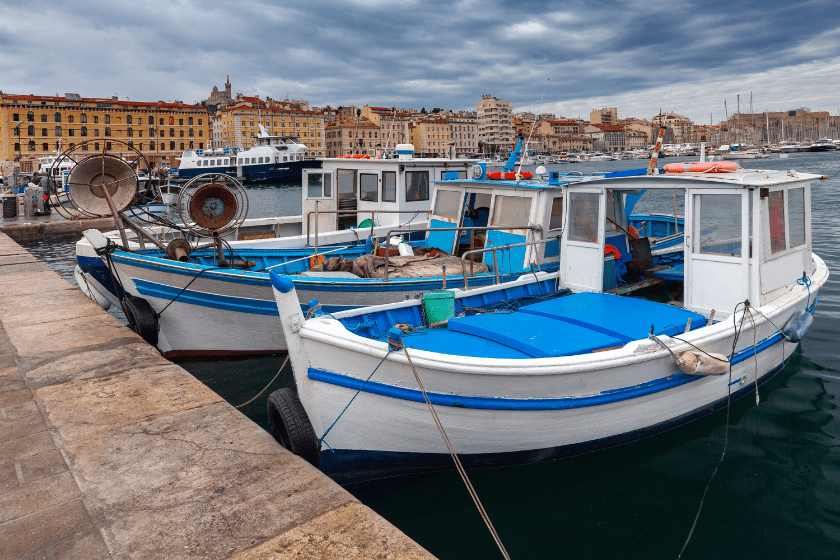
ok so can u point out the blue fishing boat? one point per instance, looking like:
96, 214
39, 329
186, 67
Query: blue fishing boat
560, 363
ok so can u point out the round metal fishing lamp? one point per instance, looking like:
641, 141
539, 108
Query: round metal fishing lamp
85, 175
212, 204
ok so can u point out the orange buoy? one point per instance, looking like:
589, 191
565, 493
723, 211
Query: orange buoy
611, 250
508, 176
705, 167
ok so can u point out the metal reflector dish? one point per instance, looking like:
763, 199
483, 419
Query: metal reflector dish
213, 206
92, 175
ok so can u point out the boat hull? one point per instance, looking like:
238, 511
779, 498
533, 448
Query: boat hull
498, 411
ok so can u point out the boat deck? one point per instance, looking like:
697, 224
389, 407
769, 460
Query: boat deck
567, 325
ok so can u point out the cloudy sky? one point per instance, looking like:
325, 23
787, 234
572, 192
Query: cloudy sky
631, 55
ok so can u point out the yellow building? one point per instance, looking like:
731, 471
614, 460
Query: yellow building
352, 136
431, 136
392, 123
237, 125
33, 126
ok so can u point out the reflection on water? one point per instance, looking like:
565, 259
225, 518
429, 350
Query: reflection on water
777, 494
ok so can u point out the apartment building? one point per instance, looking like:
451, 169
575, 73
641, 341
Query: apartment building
430, 135
463, 131
680, 126
237, 125
494, 120
33, 126
607, 116
392, 123
351, 136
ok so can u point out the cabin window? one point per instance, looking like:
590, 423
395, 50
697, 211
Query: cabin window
389, 186
777, 221
556, 220
285, 158
447, 204
512, 211
796, 216
318, 185
720, 216
368, 187
416, 186
582, 208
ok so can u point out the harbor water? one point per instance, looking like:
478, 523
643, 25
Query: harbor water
776, 494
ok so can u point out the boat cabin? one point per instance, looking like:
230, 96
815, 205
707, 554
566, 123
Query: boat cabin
747, 236
346, 192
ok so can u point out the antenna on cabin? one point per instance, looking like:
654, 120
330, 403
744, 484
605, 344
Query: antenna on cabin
533, 126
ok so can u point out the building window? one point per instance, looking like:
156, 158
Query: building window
152, 132
15, 116
107, 119
58, 131
130, 143
152, 145
181, 133
30, 130
45, 147
95, 119
200, 133
129, 119
17, 146
201, 144
83, 118
96, 146
191, 133
31, 145
30, 116
182, 145
172, 133
107, 145
71, 132
107, 131
84, 131
96, 132
129, 132
151, 120
199, 123
44, 117
189, 121
43, 132
172, 145
70, 119
160, 121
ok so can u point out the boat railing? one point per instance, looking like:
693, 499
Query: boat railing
457, 229
495, 257
351, 213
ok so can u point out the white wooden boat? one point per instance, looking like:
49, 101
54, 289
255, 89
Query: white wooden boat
555, 364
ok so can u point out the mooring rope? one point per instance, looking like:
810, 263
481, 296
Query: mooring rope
267, 386
455, 459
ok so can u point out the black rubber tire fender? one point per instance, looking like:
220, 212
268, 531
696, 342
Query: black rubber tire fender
142, 319
291, 427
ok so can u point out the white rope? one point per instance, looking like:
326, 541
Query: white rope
455, 459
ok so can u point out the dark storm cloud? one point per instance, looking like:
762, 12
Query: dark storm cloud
443, 54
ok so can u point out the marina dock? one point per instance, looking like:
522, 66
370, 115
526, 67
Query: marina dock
107, 450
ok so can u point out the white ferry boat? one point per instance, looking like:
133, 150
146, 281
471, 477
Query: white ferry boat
273, 159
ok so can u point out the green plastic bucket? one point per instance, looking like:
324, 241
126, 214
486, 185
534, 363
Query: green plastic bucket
439, 305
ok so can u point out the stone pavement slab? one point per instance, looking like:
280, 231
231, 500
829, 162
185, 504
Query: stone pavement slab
107, 450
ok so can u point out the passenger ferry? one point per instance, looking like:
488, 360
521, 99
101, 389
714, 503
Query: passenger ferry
273, 159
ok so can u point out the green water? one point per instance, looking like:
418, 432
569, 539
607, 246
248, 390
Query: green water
776, 495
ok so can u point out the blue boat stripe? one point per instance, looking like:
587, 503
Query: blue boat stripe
204, 299
502, 403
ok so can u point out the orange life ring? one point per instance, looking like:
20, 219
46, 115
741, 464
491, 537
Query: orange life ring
634, 233
316, 260
508, 176
611, 250
705, 167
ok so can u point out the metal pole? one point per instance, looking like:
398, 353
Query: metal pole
316, 230
495, 266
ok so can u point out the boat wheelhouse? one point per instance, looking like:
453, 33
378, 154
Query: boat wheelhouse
558, 363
